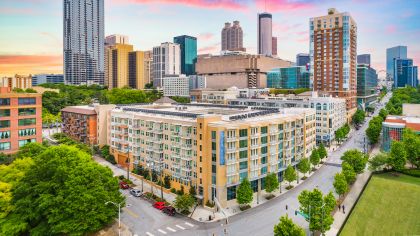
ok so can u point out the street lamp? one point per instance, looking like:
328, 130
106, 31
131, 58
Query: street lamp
127, 161
119, 214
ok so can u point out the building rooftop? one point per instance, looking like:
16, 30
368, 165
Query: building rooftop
403, 121
85, 110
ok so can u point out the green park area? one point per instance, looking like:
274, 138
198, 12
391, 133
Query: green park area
389, 206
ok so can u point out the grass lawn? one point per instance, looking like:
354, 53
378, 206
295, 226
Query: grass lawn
390, 205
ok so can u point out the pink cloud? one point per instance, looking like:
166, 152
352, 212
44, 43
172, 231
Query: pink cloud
283, 27
205, 36
282, 5
208, 4
215, 48
304, 39
16, 11
390, 29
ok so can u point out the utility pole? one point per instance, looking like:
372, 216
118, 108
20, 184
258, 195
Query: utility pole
119, 214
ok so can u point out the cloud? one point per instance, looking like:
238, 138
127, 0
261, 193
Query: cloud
283, 5
205, 36
390, 29
16, 11
30, 64
206, 4
215, 48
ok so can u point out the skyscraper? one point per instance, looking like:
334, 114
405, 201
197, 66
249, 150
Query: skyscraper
116, 61
166, 61
188, 46
363, 59
232, 37
83, 46
367, 83
265, 34
138, 69
302, 59
333, 47
274, 46
405, 73
398, 52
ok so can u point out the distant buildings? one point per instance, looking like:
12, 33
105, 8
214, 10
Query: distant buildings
139, 69
83, 46
398, 52
239, 70
197, 82
302, 59
265, 34
20, 119
188, 47
333, 47
288, 78
47, 78
116, 58
214, 96
367, 86
274, 46
405, 73
166, 61
17, 81
232, 37
176, 85
363, 59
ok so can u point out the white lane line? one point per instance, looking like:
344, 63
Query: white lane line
163, 232
169, 228
189, 224
149, 234
180, 227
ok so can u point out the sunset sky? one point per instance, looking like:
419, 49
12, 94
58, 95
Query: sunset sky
31, 30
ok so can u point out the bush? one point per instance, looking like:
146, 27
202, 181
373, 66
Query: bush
244, 207
173, 190
411, 172
289, 187
269, 196
209, 204
121, 177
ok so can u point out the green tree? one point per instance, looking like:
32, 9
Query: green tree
244, 194
374, 129
167, 182
356, 159
340, 184
358, 117
322, 151
271, 183
192, 191
286, 227
304, 166
348, 172
314, 158
290, 175
30, 150
411, 143
183, 203
397, 156
379, 162
339, 135
383, 113
63, 193
318, 208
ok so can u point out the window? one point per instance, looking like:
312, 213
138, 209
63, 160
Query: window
24, 122
213, 157
27, 111
27, 132
27, 101
4, 112
4, 123
213, 146
4, 134
5, 146
213, 168
264, 130
243, 143
4, 101
213, 134
243, 133
23, 142
243, 154
263, 160
243, 165
231, 193
264, 140
242, 176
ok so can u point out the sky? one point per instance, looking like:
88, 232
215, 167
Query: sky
31, 39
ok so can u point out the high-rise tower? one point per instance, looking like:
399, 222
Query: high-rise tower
232, 37
188, 46
265, 34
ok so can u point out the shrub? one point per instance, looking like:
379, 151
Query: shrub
244, 207
411, 172
209, 204
173, 190
289, 187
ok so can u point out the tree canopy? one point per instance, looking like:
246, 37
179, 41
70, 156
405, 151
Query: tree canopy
314, 158
184, 202
411, 143
286, 227
356, 159
340, 184
244, 193
374, 129
304, 166
358, 117
397, 156
290, 174
322, 151
271, 182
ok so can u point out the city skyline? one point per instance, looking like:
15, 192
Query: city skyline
42, 51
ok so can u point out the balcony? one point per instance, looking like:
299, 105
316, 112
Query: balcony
231, 150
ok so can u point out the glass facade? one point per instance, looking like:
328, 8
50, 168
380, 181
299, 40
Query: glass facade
390, 133
188, 46
367, 80
405, 73
288, 78
394, 53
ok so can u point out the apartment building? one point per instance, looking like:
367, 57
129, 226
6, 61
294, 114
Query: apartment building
211, 147
20, 119
17, 81
176, 85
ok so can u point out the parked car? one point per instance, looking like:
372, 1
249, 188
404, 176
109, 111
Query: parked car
159, 205
169, 210
136, 192
124, 185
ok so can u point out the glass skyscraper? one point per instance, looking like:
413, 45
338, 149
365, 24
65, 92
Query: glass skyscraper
405, 73
188, 46
288, 78
83, 46
398, 52
367, 83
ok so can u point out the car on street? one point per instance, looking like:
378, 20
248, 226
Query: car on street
159, 205
136, 192
169, 210
124, 185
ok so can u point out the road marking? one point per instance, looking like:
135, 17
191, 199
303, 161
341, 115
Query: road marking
149, 234
163, 232
169, 228
131, 213
180, 227
189, 224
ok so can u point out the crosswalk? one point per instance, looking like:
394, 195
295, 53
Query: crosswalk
173, 229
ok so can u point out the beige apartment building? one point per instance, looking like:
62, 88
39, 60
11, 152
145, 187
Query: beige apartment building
18, 81
116, 65
237, 69
211, 147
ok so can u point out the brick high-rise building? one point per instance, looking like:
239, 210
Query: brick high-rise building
274, 46
333, 51
232, 37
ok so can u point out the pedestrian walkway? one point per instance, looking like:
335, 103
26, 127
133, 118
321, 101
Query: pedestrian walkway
180, 227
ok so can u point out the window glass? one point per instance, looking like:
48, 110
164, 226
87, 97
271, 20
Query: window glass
24, 122
27, 111
5, 146
27, 101
4, 123
4, 112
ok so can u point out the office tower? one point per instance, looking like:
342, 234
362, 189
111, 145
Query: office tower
265, 34
363, 59
274, 46
398, 52
197, 82
232, 37
166, 61
367, 84
116, 61
302, 59
294, 77
83, 37
333, 47
176, 85
47, 78
188, 46
405, 73
138, 69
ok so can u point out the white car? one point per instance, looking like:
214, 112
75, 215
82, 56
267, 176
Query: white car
136, 192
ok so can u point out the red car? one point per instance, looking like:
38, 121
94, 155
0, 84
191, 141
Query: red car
159, 205
124, 185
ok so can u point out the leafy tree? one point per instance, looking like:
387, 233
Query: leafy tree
304, 166
411, 143
183, 203
6, 158
192, 191
322, 151
244, 193
339, 135
181, 99
314, 158
271, 182
358, 117
64, 192
149, 85
290, 175
356, 159
348, 172
340, 184
397, 156
30, 150
286, 227
383, 113
318, 208
167, 182
378, 162
374, 129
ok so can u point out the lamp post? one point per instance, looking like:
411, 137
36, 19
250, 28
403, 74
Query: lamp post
119, 214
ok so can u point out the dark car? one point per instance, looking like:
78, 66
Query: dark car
124, 185
169, 210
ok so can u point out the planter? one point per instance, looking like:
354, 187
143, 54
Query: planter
289, 187
244, 207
